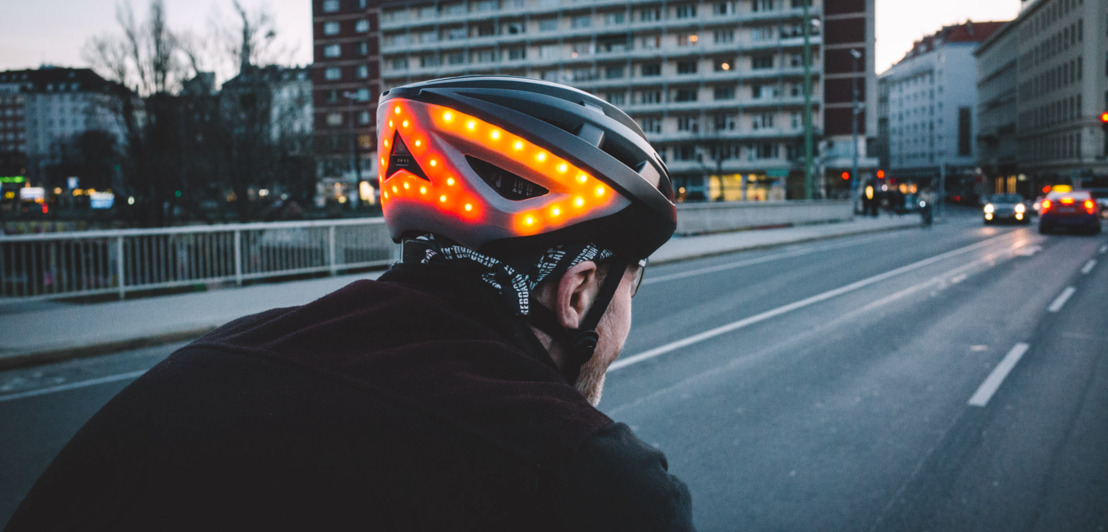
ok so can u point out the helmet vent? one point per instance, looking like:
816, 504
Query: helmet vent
505, 183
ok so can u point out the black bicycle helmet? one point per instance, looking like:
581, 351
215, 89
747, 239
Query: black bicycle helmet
500, 163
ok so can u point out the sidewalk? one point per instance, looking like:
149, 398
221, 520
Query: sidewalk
58, 332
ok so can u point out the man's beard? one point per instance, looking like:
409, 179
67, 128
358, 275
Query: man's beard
591, 384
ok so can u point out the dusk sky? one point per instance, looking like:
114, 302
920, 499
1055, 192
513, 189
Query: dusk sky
53, 32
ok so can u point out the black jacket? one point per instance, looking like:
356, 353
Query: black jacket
412, 403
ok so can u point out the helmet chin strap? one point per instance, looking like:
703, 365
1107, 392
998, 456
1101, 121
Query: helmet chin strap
581, 342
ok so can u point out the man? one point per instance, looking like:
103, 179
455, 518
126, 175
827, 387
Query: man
455, 393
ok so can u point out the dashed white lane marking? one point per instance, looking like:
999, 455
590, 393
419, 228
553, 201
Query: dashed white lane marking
1088, 266
1060, 301
996, 378
746, 322
72, 386
1104, 249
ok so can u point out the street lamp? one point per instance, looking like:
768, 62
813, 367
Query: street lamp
855, 109
355, 163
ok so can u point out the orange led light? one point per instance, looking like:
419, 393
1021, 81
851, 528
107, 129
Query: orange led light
450, 181
382, 161
541, 156
555, 212
471, 125
396, 109
599, 191
434, 162
442, 199
386, 143
579, 201
495, 134
562, 168
530, 220
405, 123
390, 123
418, 143
422, 190
518, 145
469, 207
394, 191
581, 178
448, 116
407, 186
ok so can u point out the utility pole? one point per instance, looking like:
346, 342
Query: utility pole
854, 111
808, 177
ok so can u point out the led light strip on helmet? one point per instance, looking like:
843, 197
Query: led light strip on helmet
578, 195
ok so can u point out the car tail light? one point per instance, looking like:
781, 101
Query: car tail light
1067, 201
1045, 206
1090, 206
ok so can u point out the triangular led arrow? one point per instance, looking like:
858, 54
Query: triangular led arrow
400, 158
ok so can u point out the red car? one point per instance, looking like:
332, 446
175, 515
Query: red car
1069, 209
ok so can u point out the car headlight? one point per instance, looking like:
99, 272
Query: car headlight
1021, 208
989, 208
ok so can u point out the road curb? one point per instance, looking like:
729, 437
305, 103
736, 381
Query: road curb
24, 359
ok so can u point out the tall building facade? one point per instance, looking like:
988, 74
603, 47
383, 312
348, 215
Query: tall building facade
717, 86
930, 105
346, 84
43, 111
1058, 50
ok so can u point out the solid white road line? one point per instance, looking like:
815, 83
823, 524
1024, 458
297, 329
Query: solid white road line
712, 333
994, 380
724, 267
1088, 266
73, 386
1060, 301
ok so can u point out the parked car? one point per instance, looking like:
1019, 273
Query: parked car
1006, 208
1076, 208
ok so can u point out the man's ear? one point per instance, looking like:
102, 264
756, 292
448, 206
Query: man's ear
575, 293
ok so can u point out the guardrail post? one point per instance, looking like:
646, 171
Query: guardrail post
331, 251
238, 257
119, 269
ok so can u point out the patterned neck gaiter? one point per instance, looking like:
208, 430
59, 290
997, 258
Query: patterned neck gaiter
513, 286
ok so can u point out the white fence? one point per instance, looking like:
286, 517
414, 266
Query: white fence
117, 262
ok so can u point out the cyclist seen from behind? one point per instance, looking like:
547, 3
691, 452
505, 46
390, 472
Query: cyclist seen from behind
458, 391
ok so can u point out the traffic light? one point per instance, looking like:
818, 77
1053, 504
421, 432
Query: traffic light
880, 174
846, 176
1104, 121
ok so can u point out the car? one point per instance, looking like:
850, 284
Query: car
1101, 197
1006, 208
1075, 209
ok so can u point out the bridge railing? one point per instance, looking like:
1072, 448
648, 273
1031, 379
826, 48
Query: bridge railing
117, 262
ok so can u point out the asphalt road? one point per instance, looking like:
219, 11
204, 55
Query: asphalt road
950, 378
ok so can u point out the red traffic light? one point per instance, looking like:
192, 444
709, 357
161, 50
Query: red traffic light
1104, 117
880, 174
846, 176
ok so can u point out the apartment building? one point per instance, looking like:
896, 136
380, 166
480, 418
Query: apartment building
930, 103
43, 110
716, 85
345, 81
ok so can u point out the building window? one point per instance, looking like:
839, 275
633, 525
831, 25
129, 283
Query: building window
332, 50
686, 67
330, 28
724, 93
363, 118
759, 62
723, 122
687, 11
517, 53
651, 43
650, 97
616, 98
362, 72
651, 124
362, 26
582, 21
548, 24
763, 121
686, 94
334, 119
330, 6
332, 74
613, 72
687, 39
762, 5
614, 19
723, 36
652, 69
965, 130
456, 58
650, 15
723, 8
454, 34
363, 48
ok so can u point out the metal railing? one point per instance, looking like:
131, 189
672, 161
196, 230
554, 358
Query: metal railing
117, 262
